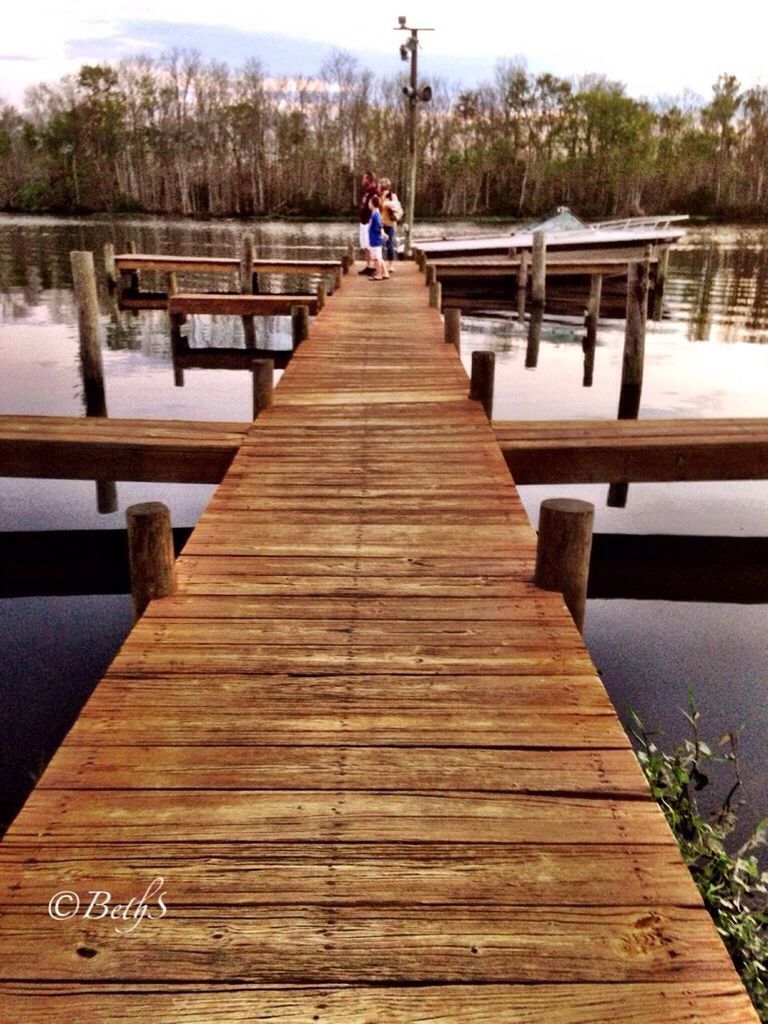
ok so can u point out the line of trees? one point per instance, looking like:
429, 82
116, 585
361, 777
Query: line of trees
181, 135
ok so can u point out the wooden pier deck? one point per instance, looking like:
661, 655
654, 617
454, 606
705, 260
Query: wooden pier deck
371, 763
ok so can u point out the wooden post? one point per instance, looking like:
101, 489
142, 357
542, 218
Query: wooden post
320, 295
522, 283
436, 294
634, 340
246, 288
346, 262
263, 372
481, 380
662, 268
171, 284
133, 275
246, 265
150, 553
539, 271
178, 347
299, 324
87, 300
452, 326
337, 277
350, 258
590, 322
534, 337
430, 274
109, 264
562, 554
106, 497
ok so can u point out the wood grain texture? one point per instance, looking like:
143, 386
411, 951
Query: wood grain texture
372, 764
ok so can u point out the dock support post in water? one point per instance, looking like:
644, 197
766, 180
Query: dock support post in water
662, 267
452, 326
263, 373
246, 288
87, 300
481, 380
591, 320
299, 324
522, 284
562, 554
539, 271
150, 553
109, 264
633, 360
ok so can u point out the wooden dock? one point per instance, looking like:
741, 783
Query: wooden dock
372, 765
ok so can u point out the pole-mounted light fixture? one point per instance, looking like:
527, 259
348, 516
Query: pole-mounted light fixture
415, 95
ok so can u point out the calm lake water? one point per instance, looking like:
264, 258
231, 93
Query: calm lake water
708, 357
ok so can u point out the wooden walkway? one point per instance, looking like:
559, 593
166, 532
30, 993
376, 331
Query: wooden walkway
372, 764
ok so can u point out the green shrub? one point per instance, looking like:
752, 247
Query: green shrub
731, 883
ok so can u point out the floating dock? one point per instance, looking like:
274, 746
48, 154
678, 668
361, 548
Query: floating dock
370, 763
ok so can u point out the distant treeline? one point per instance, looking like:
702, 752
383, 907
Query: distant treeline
180, 135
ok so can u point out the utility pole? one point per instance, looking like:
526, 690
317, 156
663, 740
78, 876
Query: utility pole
415, 95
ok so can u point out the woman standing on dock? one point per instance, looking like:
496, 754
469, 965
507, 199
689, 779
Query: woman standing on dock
368, 188
391, 212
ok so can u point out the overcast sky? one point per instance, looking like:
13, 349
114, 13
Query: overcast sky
659, 47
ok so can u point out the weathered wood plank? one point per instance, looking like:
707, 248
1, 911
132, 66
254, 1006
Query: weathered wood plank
398, 944
672, 1002
373, 874
634, 450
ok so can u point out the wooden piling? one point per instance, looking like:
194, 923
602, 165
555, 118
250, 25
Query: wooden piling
337, 278
263, 373
177, 347
662, 268
299, 324
435, 294
481, 380
590, 323
562, 554
430, 274
452, 326
321, 295
109, 264
634, 340
539, 269
534, 337
346, 262
87, 301
150, 553
522, 283
246, 286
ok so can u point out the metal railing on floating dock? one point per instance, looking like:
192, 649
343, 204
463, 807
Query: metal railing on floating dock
357, 766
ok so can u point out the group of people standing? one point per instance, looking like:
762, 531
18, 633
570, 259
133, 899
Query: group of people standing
379, 212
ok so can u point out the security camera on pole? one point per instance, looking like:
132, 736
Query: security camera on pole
415, 95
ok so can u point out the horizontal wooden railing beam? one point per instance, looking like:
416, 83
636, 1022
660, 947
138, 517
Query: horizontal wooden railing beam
639, 451
79, 448
221, 264
240, 305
